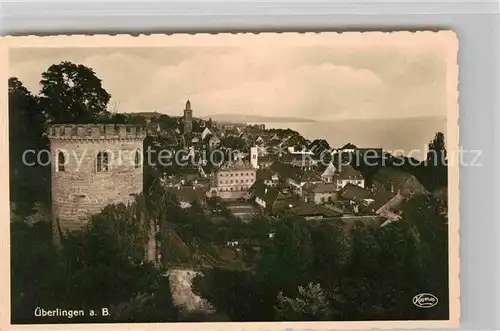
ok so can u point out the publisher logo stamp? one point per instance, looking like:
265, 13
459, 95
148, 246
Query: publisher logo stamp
425, 300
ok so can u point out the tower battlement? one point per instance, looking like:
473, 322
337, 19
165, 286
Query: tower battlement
96, 131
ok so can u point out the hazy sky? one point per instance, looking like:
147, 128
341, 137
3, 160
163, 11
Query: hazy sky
362, 79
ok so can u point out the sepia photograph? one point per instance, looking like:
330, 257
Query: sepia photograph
274, 177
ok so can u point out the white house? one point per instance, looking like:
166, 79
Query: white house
348, 175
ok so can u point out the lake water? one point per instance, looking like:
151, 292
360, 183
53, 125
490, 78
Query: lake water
406, 136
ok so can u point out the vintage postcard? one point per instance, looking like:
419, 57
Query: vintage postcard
230, 181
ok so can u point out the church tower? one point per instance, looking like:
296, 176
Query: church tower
188, 118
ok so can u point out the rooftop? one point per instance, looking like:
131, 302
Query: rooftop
310, 209
354, 193
235, 166
348, 172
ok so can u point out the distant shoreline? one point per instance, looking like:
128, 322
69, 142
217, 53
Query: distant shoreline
241, 118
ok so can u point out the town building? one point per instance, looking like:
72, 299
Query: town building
268, 177
320, 193
348, 175
397, 178
232, 180
267, 197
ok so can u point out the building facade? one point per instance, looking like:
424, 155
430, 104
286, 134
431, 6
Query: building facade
232, 180
93, 165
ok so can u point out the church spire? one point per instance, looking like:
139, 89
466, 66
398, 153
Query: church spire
188, 118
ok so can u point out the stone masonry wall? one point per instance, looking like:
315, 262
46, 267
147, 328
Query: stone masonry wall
80, 191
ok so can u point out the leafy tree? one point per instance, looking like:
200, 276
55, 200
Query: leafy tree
168, 122
424, 214
239, 294
311, 304
436, 163
32, 250
29, 179
148, 307
331, 252
73, 93
287, 262
108, 254
437, 150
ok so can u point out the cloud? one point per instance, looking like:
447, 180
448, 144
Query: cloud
365, 78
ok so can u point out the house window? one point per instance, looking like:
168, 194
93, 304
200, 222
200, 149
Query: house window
137, 160
61, 161
102, 163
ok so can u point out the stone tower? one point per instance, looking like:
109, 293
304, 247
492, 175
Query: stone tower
93, 165
188, 119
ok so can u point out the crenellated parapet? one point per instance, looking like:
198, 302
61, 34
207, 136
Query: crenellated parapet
96, 131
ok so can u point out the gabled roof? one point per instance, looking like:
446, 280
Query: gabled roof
310, 209
285, 170
318, 145
309, 176
322, 188
205, 132
267, 158
329, 170
267, 193
294, 158
213, 136
235, 165
348, 172
275, 137
354, 193
391, 175
381, 197
264, 174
